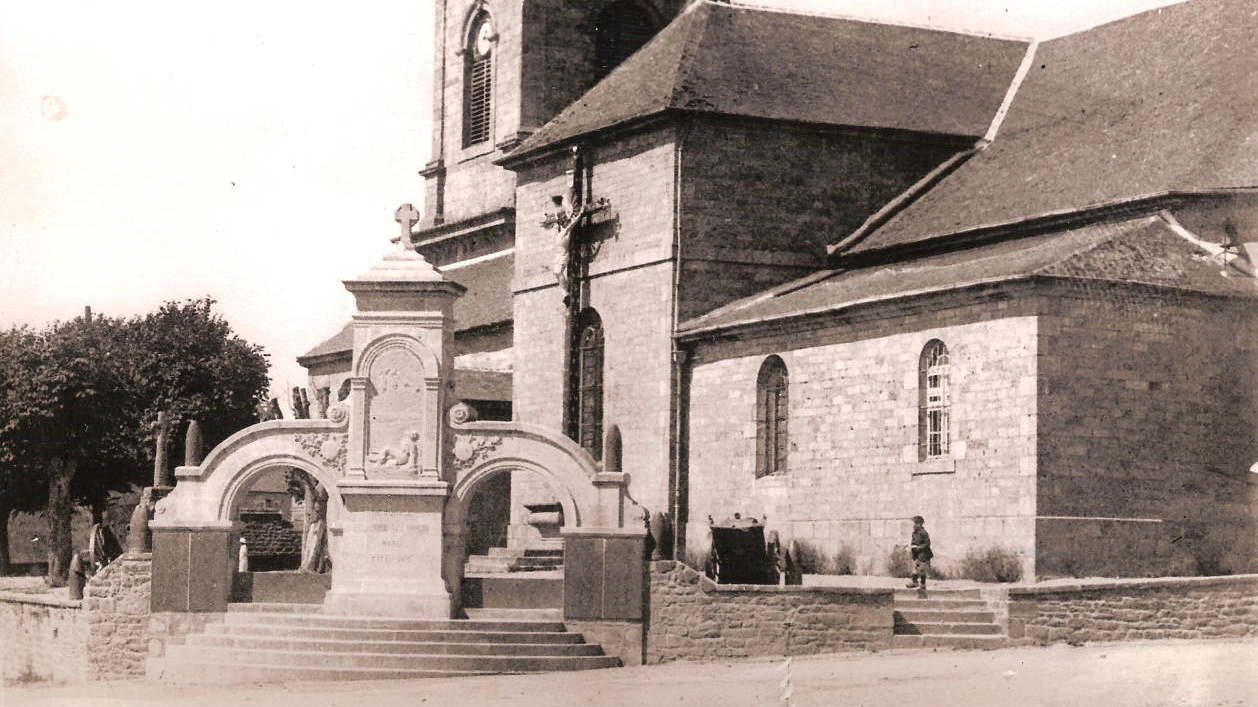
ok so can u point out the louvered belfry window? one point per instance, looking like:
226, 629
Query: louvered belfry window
620, 30
772, 388
589, 398
934, 386
478, 84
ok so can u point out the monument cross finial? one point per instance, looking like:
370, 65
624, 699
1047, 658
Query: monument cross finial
406, 216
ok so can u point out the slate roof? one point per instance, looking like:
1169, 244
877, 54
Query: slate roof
716, 58
1163, 101
342, 342
487, 301
1142, 250
482, 385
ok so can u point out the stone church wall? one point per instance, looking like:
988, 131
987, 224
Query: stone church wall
853, 476
760, 200
630, 286
1148, 412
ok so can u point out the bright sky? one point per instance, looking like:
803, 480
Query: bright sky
255, 151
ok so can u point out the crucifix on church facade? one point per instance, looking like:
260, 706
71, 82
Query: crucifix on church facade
572, 212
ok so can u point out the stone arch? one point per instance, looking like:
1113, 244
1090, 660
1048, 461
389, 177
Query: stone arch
236, 487
466, 486
591, 496
388, 342
206, 494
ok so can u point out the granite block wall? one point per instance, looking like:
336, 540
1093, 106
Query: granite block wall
693, 618
630, 286
760, 200
853, 476
1188, 607
1148, 407
43, 638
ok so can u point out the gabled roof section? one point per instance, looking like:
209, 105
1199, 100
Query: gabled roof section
1142, 250
1161, 102
717, 58
486, 302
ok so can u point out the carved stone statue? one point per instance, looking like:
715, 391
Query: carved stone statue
315, 545
406, 454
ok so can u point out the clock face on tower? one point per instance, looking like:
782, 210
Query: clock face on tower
484, 39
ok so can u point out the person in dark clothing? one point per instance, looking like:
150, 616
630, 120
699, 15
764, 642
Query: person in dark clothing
919, 550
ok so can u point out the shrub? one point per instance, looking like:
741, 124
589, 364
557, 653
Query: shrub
899, 564
996, 564
811, 559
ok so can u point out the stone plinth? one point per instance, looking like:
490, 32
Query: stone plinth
193, 566
389, 557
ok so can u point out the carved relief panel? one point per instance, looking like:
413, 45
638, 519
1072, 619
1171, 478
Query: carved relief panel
396, 397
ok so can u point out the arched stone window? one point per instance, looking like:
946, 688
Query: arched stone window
934, 401
772, 408
620, 30
588, 398
478, 82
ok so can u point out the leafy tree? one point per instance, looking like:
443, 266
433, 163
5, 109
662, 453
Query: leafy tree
62, 408
79, 400
20, 487
191, 365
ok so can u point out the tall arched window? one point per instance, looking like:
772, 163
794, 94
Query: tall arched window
620, 30
588, 415
771, 417
478, 82
934, 401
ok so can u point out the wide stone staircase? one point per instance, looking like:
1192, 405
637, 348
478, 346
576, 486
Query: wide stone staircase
261, 642
956, 618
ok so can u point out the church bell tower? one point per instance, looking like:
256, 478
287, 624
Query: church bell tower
502, 69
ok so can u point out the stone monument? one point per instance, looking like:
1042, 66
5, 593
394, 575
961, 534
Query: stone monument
389, 561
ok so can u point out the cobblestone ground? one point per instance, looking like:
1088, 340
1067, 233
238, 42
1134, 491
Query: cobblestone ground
1141, 673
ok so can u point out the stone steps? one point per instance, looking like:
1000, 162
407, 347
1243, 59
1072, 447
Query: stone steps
514, 614
955, 642
903, 628
360, 622
370, 635
233, 674
916, 603
393, 648
489, 663
958, 618
291, 642
946, 615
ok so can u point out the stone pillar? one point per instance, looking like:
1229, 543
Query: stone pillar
390, 557
193, 567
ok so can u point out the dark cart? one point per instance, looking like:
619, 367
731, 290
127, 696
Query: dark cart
738, 554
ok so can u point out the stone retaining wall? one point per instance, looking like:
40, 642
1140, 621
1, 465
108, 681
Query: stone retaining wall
42, 638
116, 602
693, 618
1178, 607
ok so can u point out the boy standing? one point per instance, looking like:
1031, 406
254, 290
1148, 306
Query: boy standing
919, 550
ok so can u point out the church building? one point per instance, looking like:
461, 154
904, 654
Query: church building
834, 273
